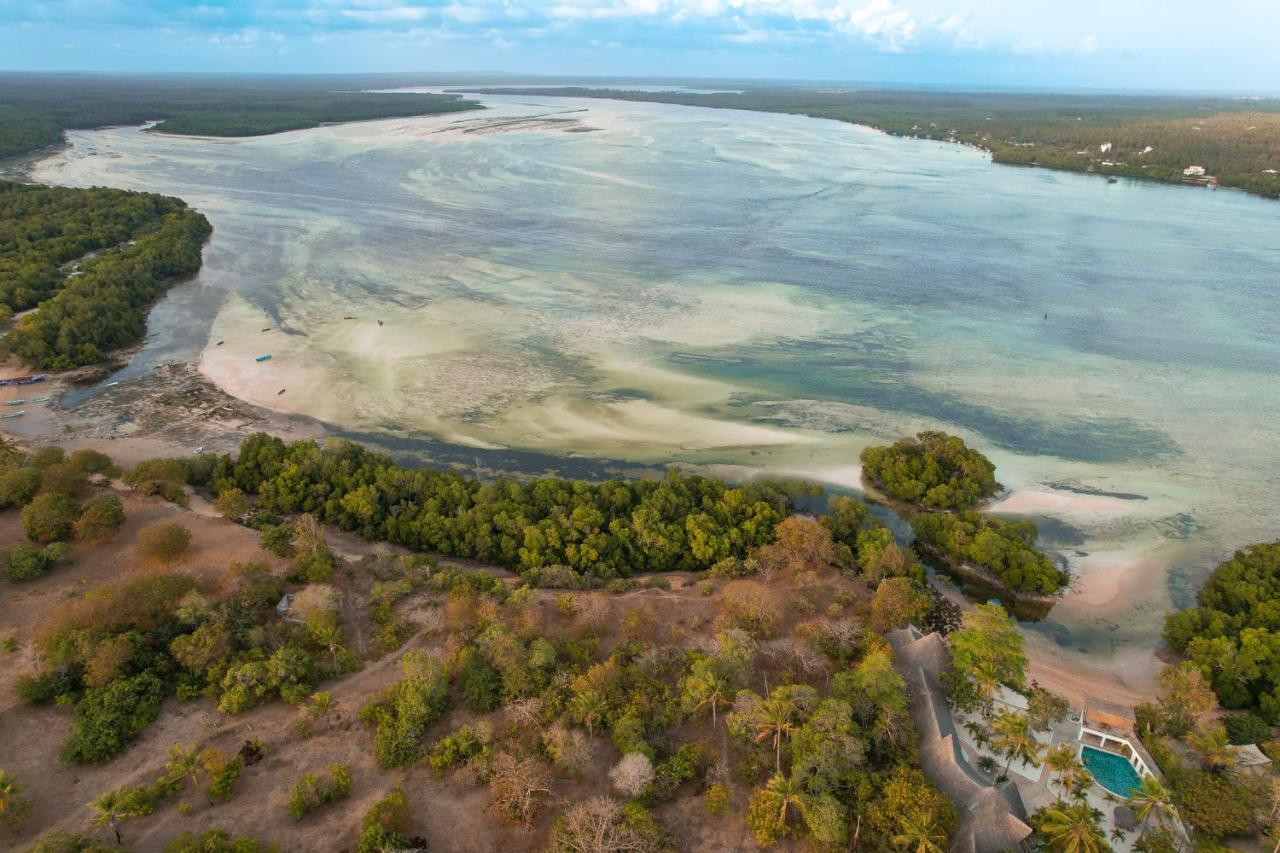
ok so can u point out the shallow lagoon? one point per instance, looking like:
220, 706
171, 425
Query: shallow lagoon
655, 283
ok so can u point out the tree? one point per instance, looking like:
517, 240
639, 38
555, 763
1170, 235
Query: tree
113, 807
773, 720
1212, 746
1152, 801
1062, 762
164, 542
632, 774
1073, 829
598, 825
321, 705
232, 504
1185, 697
1016, 739
933, 469
190, 763
1045, 707
101, 518
898, 603
706, 688
988, 647
50, 517
920, 833
518, 785
772, 808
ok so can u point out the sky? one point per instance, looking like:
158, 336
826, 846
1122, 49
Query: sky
1227, 45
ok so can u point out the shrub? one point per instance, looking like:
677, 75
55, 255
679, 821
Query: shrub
217, 841
232, 503
1215, 805
49, 517
632, 774
18, 486
467, 744
386, 824
223, 775
312, 792
481, 684
718, 799
91, 462
13, 805
108, 718
164, 477
164, 542
47, 686
101, 518
1247, 728
26, 563
278, 539
412, 705
63, 479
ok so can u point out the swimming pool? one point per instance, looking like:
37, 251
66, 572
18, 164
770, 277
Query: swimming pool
1113, 772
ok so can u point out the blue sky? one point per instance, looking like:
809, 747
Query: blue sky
1141, 44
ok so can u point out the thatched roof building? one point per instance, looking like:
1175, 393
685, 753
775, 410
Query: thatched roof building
991, 819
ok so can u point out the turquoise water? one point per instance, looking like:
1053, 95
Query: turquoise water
1112, 772
758, 293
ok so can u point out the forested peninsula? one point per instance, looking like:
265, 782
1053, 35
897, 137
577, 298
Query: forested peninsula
1234, 142
90, 262
35, 108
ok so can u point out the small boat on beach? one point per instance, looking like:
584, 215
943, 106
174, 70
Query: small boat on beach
281, 391
112, 384
17, 402
266, 357
12, 415
40, 399
24, 380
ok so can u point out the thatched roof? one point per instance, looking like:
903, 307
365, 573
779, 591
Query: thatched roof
991, 819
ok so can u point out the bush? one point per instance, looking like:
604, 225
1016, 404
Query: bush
13, 805
101, 518
223, 777
217, 841
278, 539
1215, 805
108, 718
24, 563
89, 461
232, 504
933, 469
1247, 728
386, 824
164, 477
412, 705
18, 486
50, 517
311, 792
463, 746
47, 686
164, 542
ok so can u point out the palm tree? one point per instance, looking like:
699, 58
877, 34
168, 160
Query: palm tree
1015, 739
589, 706
1152, 800
1214, 749
330, 636
986, 682
186, 763
784, 794
978, 732
1073, 829
1064, 763
111, 808
774, 720
321, 705
920, 832
710, 689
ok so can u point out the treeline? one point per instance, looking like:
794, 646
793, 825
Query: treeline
35, 109
610, 529
1233, 634
1235, 140
141, 241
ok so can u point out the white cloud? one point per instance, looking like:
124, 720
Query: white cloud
388, 15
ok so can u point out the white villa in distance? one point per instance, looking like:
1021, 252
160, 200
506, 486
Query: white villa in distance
1193, 172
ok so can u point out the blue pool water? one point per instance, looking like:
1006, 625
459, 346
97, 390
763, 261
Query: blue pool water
1112, 771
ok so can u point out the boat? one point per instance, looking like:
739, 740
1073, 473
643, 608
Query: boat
12, 415
266, 357
199, 450
281, 391
17, 402
40, 399
24, 380
112, 384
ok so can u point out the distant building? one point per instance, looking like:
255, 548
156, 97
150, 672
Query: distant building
1104, 147
1194, 171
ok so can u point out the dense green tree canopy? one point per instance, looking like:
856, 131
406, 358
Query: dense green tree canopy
1004, 548
93, 260
933, 469
1233, 634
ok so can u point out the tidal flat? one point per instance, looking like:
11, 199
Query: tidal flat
760, 294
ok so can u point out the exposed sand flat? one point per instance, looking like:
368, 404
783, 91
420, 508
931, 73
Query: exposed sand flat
1026, 501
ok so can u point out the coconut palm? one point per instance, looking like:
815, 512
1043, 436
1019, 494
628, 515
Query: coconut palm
1065, 765
321, 705
111, 808
919, 833
1015, 738
986, 683
1073, 829
186, 762
978, 732
329, 635
1213, 747
709, 689
589, 705
1152, 800
774, 720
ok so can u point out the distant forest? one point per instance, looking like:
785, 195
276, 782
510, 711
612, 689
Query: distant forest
36, 108
1156, 137
93, 260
